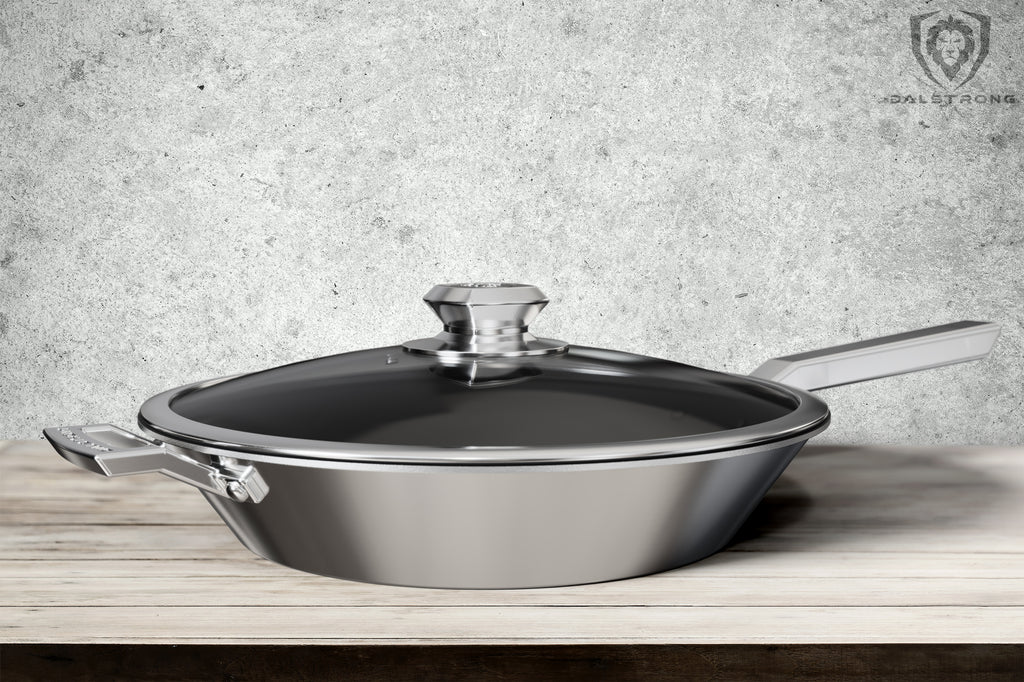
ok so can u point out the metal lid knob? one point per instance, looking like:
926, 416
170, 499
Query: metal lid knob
485, 319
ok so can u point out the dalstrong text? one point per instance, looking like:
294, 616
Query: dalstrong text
940, 98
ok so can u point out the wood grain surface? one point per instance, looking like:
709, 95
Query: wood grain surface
853, 546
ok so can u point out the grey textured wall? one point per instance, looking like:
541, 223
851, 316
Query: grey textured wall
197, 189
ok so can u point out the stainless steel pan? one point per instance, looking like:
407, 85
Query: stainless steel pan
486, 458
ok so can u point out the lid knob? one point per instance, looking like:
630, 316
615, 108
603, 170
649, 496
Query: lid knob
484, 319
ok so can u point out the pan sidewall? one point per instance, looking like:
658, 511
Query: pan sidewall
500, 527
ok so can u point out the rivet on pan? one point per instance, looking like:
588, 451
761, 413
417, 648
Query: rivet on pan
237, 492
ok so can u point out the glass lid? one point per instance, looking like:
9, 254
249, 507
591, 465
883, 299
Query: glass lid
484, 390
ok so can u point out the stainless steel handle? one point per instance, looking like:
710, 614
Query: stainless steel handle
913, 351
108, 450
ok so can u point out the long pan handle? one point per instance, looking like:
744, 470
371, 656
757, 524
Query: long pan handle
946, 344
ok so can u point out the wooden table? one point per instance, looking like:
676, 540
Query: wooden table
859, 560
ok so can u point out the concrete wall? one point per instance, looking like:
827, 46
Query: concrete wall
198, 189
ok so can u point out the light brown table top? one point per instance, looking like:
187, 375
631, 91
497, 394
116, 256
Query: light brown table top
852, 545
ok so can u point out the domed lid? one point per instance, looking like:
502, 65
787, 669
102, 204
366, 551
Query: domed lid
483, 391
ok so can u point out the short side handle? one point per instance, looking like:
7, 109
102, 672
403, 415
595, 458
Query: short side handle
111, 451
913, 351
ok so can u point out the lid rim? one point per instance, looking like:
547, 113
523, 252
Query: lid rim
810, 416
320, 459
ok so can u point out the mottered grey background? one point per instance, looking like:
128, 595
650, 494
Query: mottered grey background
189, 190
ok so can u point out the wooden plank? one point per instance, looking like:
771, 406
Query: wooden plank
299, 590
109, 542
967, 540
729, 564
108, 510
510, 625
76, 542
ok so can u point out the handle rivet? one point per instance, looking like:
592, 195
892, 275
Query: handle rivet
237, 492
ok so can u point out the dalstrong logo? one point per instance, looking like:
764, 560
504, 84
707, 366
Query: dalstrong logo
950, 48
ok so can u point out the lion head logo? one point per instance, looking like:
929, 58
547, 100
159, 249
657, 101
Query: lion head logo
950, 44
953, 47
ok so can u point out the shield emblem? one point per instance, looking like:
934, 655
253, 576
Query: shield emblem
950, 46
